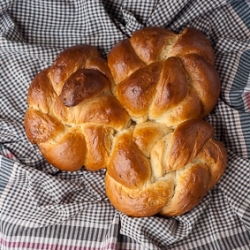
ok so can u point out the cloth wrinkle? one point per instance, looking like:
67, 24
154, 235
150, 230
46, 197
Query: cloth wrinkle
44, 208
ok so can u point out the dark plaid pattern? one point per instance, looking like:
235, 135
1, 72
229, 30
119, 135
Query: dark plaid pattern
43, 208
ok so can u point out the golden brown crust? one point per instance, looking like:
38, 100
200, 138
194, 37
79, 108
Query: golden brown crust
80, 112
82, 85
191, 186
67, 152
142, 202
68, 61
183, 166
137, 91
74, 91
171, 88
164, 76
187, 141
127, 164
147, 134
150, 41
98, 143
192, 41
126, 63
41, 127
40, 93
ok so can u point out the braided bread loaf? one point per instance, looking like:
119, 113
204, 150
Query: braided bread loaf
72, 114
155, 170
165, 77
139, 117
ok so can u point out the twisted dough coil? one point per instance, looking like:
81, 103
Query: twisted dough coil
167, 172
80, 111
72, 115
163, 76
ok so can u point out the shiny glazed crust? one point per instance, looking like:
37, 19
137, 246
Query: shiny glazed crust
163, 76
72, 114
171, 176
139, 116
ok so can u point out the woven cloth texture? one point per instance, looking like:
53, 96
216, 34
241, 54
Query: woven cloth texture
44, 208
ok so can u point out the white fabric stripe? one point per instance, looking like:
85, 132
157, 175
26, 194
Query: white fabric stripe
52, 207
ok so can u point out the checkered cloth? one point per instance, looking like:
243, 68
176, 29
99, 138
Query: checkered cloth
43, 208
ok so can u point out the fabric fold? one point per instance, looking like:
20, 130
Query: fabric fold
42, 207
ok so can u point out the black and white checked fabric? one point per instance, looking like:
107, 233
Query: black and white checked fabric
43, 208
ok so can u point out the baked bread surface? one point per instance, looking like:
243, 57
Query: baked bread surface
171, 175
138, 115
72, 114
165, 77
